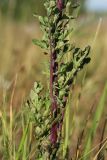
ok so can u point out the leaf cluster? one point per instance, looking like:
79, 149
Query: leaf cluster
55, 27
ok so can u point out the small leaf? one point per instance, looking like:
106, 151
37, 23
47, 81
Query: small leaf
41, 19
75, 5
40, 43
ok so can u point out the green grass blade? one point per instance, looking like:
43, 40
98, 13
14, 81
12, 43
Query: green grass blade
95, 123
22, 143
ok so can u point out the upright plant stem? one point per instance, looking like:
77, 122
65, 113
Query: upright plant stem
54, 76
53, 80
62, 73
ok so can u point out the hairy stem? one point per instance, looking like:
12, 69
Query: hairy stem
54, 78
53, 91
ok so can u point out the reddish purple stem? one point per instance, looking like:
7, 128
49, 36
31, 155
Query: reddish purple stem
54, 80
60, 5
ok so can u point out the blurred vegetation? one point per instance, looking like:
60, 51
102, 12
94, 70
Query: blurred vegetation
16, 48
21, 9
24, 9
83, 8
19, 56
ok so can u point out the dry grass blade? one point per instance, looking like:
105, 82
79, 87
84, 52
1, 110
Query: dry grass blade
97, 32
100, 154
95, 123
102, 157
80, 139
93, 149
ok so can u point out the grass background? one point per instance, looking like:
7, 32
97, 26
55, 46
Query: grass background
22, 63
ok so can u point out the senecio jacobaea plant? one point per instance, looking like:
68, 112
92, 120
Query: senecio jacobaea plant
48, 108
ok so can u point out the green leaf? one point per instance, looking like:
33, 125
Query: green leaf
75, 5
38, 87
44, 21
40, 43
